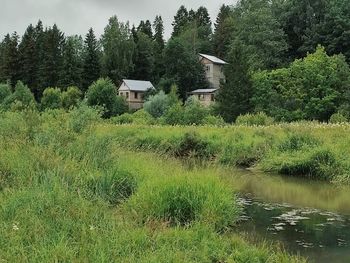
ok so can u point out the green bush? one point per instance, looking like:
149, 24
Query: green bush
192, 145
103, 93
113, 186
214, 120
51, 99
194, 113
20, 99
5, 91
338, 118
258, 119
125, 118
83, 116
71, 97
182, 200
174, 115
157, 105
297, 142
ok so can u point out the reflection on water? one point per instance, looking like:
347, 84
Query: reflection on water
307, 217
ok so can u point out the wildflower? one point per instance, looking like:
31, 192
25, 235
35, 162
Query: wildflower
15, 227
92, 227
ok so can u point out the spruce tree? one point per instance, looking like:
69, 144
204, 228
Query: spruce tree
91, 63
158, 49
180, 21
10, 60
223, 32
143, 58
235, 94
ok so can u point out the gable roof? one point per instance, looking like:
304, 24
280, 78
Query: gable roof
213, 59
138, 85
203, 91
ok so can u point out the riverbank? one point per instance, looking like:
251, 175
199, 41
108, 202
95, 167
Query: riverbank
69, 192
310, 150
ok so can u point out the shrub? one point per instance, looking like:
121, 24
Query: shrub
181, 200
191, 145
71, 97
194, 112
174, 115
337, 118
103, 93
125, 118
157, 105
20, 99
5, 91
143, 117
83, 116
297, 142
51, 99
113, 186
214, 120
260, 119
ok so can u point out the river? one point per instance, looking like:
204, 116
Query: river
306, 217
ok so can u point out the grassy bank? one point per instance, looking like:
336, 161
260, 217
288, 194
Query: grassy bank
71, 193
310, 150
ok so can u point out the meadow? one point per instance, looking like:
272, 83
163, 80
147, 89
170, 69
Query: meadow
70, 191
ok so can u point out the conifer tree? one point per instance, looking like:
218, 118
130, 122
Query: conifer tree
91, 60
10, 59
223, 32
180, 21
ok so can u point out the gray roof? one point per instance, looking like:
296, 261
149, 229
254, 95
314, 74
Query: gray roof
213, 59
138, 85
201, 91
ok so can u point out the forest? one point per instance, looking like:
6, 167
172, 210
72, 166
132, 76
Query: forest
287, 58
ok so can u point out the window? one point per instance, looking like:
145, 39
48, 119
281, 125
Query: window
121, 94
127, 95
136, 95
207, 68
212, 98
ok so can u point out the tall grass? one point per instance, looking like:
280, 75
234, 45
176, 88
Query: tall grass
70, 193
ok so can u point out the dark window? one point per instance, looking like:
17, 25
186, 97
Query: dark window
127, 95
212, 97
136, 95
208, 68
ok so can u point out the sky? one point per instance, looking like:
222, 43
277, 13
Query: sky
77, 16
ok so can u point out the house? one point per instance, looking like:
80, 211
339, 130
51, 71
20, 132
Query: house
205, 96
133, 91
214, 69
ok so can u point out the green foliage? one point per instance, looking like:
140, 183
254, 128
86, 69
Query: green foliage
103, 93
83, 116
194, 112
20, 99
51, 99
338, 118
71, 97
157, 105
5, 91
185, 201
260, 119
192, 146
174, 115
312, 88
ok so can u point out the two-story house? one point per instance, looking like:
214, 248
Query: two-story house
133, 91
214, 70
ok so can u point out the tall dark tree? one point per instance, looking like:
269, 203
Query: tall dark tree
235, 95
158, 47
72, 62
223, 32
91, 60
118, 50
143, 58
28, 57
180, 21
184, 68
10, 59
158, 27
52, 58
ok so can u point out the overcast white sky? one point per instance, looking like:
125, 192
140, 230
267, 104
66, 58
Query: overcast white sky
77, 16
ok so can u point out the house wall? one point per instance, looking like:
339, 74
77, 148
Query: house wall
213, 72
205, 99
134, 99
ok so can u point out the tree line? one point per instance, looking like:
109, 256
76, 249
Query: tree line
256, 37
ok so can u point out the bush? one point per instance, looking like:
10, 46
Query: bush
259, 119
297, 142
157, 105
194, 112
191, 145
181, 200
125, 118
103, 93
214, 120
174, 115
5, 91
71, 97
83, 116
51, 99
337, 118
20, 99
143, 117
113, 186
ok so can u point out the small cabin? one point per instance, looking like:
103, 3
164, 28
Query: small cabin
214, 69
205, 96
133, 91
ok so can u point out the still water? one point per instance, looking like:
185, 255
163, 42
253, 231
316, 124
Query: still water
307, 218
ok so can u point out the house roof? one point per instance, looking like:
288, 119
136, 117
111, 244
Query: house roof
138, 85
213, 59
203, 91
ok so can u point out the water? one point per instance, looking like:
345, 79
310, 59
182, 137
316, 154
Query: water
306, 217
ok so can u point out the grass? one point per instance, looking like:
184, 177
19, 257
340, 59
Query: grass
71, 193
310, 150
